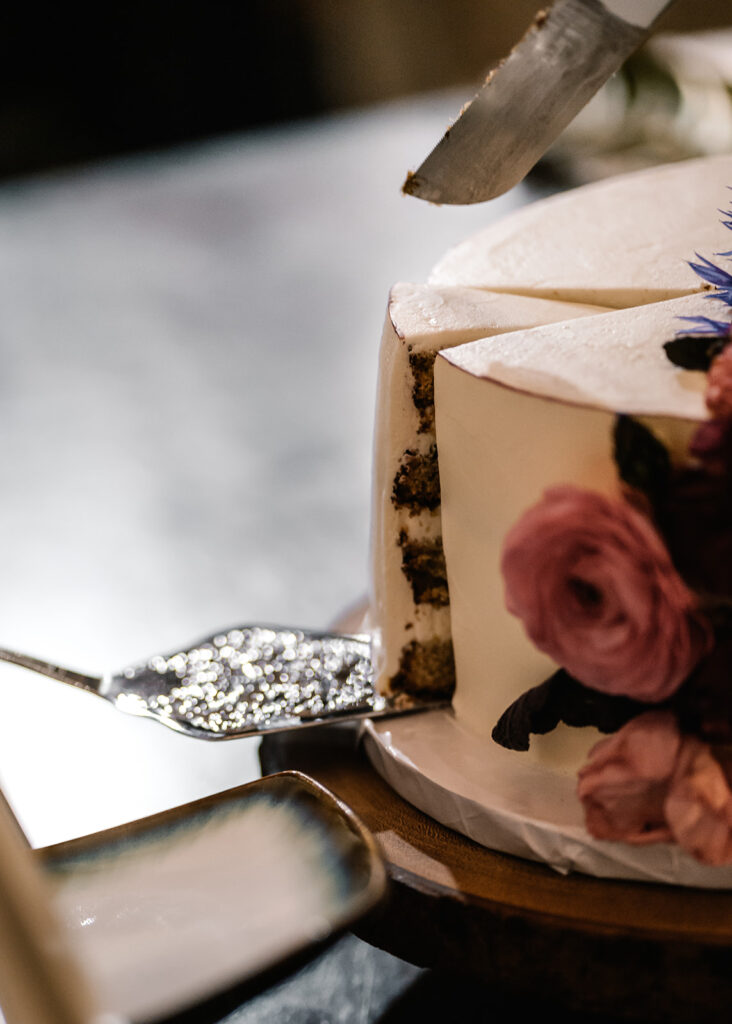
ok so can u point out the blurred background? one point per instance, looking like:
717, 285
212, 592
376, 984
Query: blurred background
77, 84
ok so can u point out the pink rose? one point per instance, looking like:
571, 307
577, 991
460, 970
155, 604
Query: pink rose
596, 590
624, 785
698, 807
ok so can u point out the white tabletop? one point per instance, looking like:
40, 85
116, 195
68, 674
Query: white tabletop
189, 345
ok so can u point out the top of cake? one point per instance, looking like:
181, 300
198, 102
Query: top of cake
619, 242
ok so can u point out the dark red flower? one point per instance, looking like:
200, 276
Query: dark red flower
719, 384
704, 701
695, 512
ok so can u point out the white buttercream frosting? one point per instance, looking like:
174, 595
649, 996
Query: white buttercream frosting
620, 242
617, 362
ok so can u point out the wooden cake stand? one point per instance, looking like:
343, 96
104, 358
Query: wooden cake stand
627, 949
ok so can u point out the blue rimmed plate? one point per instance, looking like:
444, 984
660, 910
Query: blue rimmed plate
216, 896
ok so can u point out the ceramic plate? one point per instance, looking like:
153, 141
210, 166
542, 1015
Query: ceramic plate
175, 909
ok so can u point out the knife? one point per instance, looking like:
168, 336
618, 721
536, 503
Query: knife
570, 50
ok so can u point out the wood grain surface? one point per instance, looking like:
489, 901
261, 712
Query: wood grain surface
632, 950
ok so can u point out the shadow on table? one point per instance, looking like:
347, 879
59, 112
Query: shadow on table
441, 997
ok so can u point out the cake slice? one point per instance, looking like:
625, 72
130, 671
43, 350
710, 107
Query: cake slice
522, 413
410, 600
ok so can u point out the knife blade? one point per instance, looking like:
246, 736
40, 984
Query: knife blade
569, 51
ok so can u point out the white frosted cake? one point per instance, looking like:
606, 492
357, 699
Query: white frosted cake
531, 418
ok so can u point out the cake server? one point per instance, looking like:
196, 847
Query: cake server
246, 681
567, 54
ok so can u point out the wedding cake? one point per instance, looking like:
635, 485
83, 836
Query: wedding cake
552, 477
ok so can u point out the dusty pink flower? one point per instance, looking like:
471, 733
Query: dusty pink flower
624, 785
595, 588
719, 384
698, 806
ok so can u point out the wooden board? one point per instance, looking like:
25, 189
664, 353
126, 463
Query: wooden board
631, 950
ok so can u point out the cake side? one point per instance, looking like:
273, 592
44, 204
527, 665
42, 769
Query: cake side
619, 242
513, 421
410, 599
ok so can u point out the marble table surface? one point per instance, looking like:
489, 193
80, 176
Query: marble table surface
188, 346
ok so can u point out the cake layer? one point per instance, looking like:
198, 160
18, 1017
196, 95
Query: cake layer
619, 242
409, 601
514, 419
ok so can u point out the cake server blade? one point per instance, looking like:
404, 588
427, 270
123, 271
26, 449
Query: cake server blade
566, 55
246, 681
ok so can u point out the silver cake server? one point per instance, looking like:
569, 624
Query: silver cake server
568, 53
246, 681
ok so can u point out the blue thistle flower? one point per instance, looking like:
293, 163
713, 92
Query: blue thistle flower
723, 295
689, 350
710, 272
705, 325
727, 223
